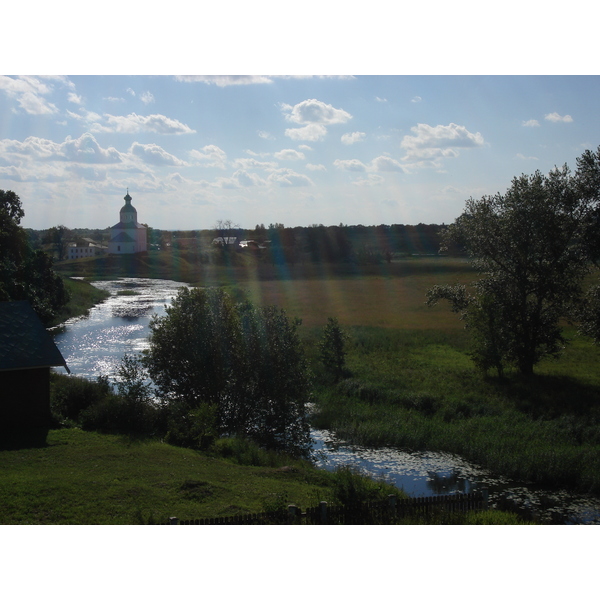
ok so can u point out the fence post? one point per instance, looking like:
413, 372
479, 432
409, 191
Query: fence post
293, 513
173, 521
323, 506
485, 495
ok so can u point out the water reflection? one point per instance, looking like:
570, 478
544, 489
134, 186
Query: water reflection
95, 345
436, 473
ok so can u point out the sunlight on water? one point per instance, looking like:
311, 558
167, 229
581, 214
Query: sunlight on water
95, 345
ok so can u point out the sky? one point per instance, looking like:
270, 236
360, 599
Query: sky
370, 119
296, 150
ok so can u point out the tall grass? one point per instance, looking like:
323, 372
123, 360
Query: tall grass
419, 390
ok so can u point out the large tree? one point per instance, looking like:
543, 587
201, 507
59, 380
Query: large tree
244, 362
26, 274
532, 248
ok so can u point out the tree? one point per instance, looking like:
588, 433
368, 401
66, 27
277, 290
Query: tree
26, 274
59, 238
332, 349
531, 247
244, 362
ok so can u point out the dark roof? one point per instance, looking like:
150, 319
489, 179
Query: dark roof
24, 341
122, 238
128, 225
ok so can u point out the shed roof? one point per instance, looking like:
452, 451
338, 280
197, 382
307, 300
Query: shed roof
24, 341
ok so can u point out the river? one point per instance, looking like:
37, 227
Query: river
94, 345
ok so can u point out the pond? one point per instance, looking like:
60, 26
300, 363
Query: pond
94, 346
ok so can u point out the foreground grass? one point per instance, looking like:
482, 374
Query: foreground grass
77, 477
90, 478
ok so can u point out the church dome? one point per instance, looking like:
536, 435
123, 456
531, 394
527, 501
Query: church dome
128, 208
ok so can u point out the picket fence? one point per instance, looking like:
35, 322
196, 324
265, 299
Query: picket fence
365, 513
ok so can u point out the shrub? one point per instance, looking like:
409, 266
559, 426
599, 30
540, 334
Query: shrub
70, 395
333, 349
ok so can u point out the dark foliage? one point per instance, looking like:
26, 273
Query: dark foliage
26, 274
532, 247
246, 363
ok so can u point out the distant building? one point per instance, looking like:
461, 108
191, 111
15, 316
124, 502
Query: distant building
27, 352
128, 236
84, 248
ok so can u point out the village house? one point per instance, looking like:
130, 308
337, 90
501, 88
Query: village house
27, 352
84, 248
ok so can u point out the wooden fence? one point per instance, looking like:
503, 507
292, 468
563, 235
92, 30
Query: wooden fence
386, 512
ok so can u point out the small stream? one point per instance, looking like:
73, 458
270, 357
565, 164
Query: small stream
94, 346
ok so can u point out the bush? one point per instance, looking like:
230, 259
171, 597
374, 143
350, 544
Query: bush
115, 414
196, 428
70, 395
333, 349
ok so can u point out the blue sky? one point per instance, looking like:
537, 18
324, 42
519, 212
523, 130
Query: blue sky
296, 150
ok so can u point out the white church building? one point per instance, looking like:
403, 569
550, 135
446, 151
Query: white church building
128, 236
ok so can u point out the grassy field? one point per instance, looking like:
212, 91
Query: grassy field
76, 477
413, 384
90, 478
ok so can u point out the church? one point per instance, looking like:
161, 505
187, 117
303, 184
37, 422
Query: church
128, 236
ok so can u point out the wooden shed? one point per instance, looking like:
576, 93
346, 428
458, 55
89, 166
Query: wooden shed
27, 352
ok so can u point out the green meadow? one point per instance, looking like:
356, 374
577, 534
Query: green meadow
411, 382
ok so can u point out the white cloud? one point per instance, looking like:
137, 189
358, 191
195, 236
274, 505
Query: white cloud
240, 179
225, 80
154, 155
380, 99
29, 92
36, 105
312, 167
137, 123
85, 116
147, 97
531, 123
416, 99
130, 91
379, 164
385, 163
352, 138
352, 164
429, 144
289, 178
265, 135
289, 154
85, 149
522, 157
310, 133
210, 156
305, 147
556, 118
252, 163
86, 172
370, 180
74, 98
315, 111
